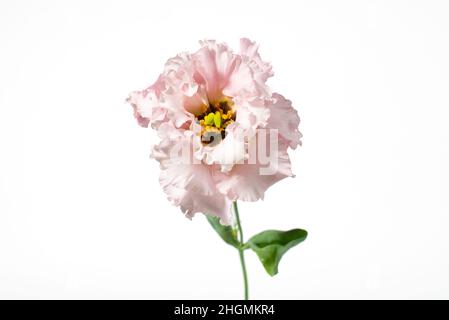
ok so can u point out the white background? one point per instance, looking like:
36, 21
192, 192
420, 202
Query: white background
81, 211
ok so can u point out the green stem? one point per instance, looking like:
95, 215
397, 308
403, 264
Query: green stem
241, 253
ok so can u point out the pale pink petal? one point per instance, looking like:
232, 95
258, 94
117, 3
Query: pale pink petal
197, 103
240, 81
262, 69
164, 100
192, 186
195, 177
179, 74
179, 169
190, 203
248, 182
230, 151
215, 63
285, 119
143, 103
143, 122
252, 114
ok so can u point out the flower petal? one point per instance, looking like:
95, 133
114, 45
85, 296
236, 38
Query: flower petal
249, 181
228, 152
285, 119
189, 184
190, 203
215, 63
261, 70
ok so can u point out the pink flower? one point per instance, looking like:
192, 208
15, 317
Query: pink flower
216, 105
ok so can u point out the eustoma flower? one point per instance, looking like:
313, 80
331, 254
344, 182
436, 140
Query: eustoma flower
224, 137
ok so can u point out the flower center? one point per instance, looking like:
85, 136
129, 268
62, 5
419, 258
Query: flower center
215, 120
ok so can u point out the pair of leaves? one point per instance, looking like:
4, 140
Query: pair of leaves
269, 245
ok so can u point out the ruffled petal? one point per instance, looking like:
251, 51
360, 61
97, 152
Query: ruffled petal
261, 70
146, 104
187, 183
285, 119
229, 152
164, 100
197, 103
252, 114
250, 49
215, 62
190, 203
249, 181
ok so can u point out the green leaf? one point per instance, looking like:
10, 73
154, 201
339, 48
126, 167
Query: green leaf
270, 246
225, 232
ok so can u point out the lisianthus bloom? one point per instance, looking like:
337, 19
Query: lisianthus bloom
216, 104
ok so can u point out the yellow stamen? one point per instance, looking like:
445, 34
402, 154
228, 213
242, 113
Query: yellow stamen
209, 119
217, 119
